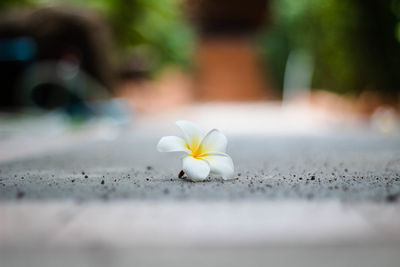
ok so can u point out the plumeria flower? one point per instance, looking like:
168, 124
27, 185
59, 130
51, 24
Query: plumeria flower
205, 153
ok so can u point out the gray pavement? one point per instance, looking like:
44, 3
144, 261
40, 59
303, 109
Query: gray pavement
270, 168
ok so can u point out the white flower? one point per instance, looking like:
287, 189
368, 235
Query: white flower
204, 153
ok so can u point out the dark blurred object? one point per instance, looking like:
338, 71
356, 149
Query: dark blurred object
228, 17
73, 38
379, 50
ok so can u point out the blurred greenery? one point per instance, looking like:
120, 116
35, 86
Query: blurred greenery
157, 25
354, 44
10, 3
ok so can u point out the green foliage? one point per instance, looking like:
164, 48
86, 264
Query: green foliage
159, 26
10, 3
351, 42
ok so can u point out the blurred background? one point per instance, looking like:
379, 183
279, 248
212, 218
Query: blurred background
341, 56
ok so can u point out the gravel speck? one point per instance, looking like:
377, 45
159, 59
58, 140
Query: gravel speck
20, 194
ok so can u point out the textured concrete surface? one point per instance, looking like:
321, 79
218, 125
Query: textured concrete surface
270, 168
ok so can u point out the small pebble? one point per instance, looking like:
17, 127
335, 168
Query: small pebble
20, 194
392, 198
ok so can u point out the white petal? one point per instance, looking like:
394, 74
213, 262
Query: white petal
193, 134
221, 164
172, 144
214, 141
195, 169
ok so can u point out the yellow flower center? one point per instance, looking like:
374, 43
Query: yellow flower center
198, 151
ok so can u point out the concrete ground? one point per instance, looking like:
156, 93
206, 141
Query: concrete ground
104, 196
